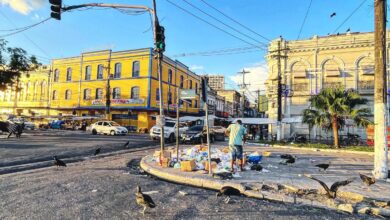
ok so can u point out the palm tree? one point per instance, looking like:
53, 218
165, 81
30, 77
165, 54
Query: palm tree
332, 106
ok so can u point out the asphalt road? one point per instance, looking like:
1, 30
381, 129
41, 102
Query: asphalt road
104, 188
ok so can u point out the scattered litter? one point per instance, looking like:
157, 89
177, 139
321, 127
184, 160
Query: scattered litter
256, 167
94, 190
150, 192
272, 166
236, 175
183, 193
265, 171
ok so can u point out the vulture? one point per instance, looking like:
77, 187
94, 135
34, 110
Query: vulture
333, 14
367, 180
288, 161
256, 167
332, 192
323, 166
126, 145
58, 162
144, 200
223, 175
97, 151
286, 156
228, 191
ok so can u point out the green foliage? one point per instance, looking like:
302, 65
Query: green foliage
13, 62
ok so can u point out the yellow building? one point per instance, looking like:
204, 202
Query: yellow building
309, 65
78, 85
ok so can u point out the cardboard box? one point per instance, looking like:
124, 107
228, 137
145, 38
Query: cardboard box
165, 162
166, 154
188, 165
206, 165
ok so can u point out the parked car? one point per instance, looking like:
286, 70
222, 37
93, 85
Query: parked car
169, 131
219, 132
197, 134
108, 127
28, 125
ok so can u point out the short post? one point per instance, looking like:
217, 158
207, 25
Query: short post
208, 137
177, 122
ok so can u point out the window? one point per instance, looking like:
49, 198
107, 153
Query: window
181, 82
196, 88
196, 104
68, 94
99, 74
100, 123
189, 103
169, 76
157, 94
87, 94
55, 95
118, 70
170, 98
88, 72
56, 75
135, 69
43, 90
135, 92
35, 94
116, 93
27, 97
190, 84
106, 124
69, 74
99, 93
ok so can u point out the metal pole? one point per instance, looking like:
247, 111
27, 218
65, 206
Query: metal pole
108, 88
380, 95
279, 121
208, 137
177, 122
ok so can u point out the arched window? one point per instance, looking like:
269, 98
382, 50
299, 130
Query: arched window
196, 104
116, 93
68, 94
56, 75
135, 92
169, 76
196, 88
118, 70
190, 81
88, 70
157, 94
181, 82
169, 98
135, 72
55, 95
69, 74
99, 74
43, 90
87, 94
99, 93
35, 94
21, 92
27, 97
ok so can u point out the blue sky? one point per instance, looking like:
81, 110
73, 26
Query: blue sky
88, 30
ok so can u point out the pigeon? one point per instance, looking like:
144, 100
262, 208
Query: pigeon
332, 192
349, 29
126, 145
286, 156
256, 167
97, 151
144, 200
217, 160
58, 162
333, 14
323, 166
367, 180
223, 175
228, 191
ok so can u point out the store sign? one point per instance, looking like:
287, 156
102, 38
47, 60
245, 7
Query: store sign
187, 94
118, 101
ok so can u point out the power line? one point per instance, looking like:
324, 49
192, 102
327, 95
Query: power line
247, 28
304, 20
347, 18
207, 22
227, 51
18, 30
236, 30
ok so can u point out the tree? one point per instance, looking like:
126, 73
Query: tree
13, 62
332, 106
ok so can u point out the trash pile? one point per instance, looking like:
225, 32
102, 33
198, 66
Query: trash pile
196, 158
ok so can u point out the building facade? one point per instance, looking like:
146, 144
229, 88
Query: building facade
82, 85
216, 82
233, 97
309, 65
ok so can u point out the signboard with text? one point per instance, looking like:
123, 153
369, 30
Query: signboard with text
187, 94
118, 101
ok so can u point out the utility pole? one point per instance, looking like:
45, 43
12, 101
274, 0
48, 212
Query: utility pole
108, 88
258, 101
243, 87
380, 96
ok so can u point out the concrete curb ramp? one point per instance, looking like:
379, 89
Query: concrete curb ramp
204, 181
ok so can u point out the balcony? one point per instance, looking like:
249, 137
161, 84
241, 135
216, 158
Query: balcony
366, 86
300, 87
331, 85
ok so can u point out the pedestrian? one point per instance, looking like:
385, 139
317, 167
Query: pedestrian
237, 137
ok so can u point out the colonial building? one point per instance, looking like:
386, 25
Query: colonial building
216, 82
128, 79
309, 65
233, 97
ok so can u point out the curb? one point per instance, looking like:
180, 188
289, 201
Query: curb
193, 180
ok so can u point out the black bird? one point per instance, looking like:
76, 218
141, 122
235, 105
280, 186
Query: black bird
332, 192
228, 191
289, 161
367, 180
286, 156
256, 167
144, 200
223, 175
349, 29
97, 151
217, 160
58, 162
333, 14
323, 166
126, 145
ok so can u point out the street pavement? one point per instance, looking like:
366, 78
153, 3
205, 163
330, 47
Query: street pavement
103, 188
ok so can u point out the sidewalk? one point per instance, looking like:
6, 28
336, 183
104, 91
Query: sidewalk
343, 166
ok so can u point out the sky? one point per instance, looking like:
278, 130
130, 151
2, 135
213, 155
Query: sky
98, 29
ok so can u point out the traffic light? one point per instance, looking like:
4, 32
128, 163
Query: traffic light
55, 9
160, 38
204, 90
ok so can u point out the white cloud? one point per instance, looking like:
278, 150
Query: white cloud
196, 67
23, 6
256, 78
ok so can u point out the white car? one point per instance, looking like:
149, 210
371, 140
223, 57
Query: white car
108, 127
169, 131
27, 124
